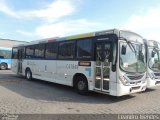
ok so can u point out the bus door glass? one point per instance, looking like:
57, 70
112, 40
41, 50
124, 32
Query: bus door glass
102, 66
20, 57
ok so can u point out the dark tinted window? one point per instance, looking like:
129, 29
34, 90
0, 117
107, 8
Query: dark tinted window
39, 51
66, 50
21, 53
14, 53
84, 48
30, 52
51, 51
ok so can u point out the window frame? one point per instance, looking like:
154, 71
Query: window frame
92, 49
74, 43
44, 48
12, 57
56, 43
33, 57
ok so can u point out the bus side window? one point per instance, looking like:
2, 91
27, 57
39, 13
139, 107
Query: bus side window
39, 51
51, 51
66, 50
84, 48
29, 52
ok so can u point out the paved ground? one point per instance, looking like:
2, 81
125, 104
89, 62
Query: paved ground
18, 95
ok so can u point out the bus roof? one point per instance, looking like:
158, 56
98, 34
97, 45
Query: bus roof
73, 37
153, 43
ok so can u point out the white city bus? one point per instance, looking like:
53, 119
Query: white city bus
110, 62
153, 63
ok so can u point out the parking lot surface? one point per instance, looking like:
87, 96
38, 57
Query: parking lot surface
19, 96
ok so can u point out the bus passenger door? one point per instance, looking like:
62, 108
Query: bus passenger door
20, 56
102, 68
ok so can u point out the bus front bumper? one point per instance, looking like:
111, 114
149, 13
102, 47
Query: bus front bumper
152, 83
126, 90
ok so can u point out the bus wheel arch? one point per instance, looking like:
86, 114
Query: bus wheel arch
3, 66
80, 83
28, 73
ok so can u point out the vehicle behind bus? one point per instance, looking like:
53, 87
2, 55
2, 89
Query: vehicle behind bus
153, 63
5, 58
110, 62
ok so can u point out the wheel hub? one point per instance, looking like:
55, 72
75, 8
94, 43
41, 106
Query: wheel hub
81, 85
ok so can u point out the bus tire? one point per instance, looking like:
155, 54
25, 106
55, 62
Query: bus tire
81, 85
28, 74
3, 66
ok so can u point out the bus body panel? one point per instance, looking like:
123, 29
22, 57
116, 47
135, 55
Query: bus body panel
61, 72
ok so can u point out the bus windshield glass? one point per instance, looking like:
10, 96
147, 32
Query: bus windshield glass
133, 60
154, 61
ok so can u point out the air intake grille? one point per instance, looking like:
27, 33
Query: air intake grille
136, 77
157, 74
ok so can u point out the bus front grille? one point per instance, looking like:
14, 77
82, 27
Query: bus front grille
157, 74
136, 77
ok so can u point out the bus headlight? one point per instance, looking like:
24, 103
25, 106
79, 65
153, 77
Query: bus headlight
123, 80
144, 81
151, 76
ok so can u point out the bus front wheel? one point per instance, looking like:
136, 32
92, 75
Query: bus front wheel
28, 74
3, 66
82, 85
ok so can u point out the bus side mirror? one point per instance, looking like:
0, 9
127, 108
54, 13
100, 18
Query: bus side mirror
123, 50
153, 53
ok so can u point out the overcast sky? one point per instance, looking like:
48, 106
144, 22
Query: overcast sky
36, 19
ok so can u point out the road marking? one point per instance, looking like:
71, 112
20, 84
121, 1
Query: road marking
6, 81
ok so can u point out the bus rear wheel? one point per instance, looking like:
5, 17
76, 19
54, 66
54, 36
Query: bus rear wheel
28, 74
81, 85
3, 66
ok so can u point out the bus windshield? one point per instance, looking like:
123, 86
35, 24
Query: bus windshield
154, 61
134, 58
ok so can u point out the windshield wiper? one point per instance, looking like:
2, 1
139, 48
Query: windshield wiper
130, 45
